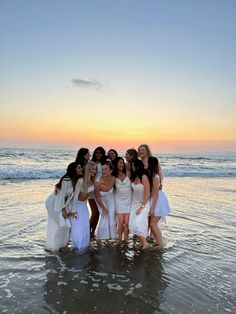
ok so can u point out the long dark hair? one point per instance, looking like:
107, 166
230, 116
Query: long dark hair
104, 157
139, 170
115, 168
152, 171
69, 175
80, 156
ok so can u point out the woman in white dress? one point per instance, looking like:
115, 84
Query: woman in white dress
159, 204
106, 204
80, 230
100, 158
59, 204
138, 222
144, 152
123, 197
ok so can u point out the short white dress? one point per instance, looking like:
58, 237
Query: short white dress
123, 195
80, 227
138, 224
162, 208
107, 225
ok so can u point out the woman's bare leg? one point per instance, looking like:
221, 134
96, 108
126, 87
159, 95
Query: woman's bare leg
126, 226
121, 221
156, 231
94, 216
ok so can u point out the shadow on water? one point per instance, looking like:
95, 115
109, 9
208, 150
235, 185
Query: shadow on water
110, 279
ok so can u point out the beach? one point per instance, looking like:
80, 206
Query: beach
194, 273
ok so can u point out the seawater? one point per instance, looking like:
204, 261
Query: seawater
46, 164
195, 273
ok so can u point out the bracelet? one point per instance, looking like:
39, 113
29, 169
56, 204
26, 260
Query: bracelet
142, 206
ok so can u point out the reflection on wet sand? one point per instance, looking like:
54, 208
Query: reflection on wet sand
109, 279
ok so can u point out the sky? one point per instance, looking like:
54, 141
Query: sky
118, 74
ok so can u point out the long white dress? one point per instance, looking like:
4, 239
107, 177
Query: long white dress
138, 224
123, 195
162, 208
80, 227
58, 228
107, 224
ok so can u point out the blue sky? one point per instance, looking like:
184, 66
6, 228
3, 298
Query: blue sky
174, 59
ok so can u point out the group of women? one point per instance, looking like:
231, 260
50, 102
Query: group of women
125, 197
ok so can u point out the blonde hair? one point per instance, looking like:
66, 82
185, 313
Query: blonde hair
147, 149
88, 180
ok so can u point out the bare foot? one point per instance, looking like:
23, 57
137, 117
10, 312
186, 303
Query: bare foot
145, 246
160, 245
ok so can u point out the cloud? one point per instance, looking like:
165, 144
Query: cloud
80, 83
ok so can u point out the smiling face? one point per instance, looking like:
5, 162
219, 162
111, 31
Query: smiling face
79, 170
111, 154
98, 155
142, 152
106, 171
120, 165
93, 171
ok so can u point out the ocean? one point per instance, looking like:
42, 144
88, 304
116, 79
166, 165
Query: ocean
194, 273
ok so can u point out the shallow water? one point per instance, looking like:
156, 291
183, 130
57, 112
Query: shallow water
195, 273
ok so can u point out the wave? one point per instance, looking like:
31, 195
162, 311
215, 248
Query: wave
30, 174
20, 164
55, 173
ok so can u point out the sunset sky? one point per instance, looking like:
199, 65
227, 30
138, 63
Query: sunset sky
118, 73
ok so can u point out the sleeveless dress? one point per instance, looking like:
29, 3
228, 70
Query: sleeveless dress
138, 224
123, 195
107, 225
80, 227
162, 208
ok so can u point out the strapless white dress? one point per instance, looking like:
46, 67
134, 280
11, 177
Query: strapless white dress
138, 224
123, 195
107, 225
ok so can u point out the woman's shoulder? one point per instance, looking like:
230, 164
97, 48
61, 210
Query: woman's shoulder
66, 182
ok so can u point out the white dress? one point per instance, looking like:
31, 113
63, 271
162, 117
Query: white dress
123, 195
107, 224
80, 227
138, 224
58, 228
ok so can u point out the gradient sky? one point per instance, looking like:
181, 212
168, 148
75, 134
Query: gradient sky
118, 74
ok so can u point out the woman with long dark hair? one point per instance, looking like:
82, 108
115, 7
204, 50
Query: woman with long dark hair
138, 222
61, 205
100, 158
131, 154
123, 197
83, 156
159, 204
